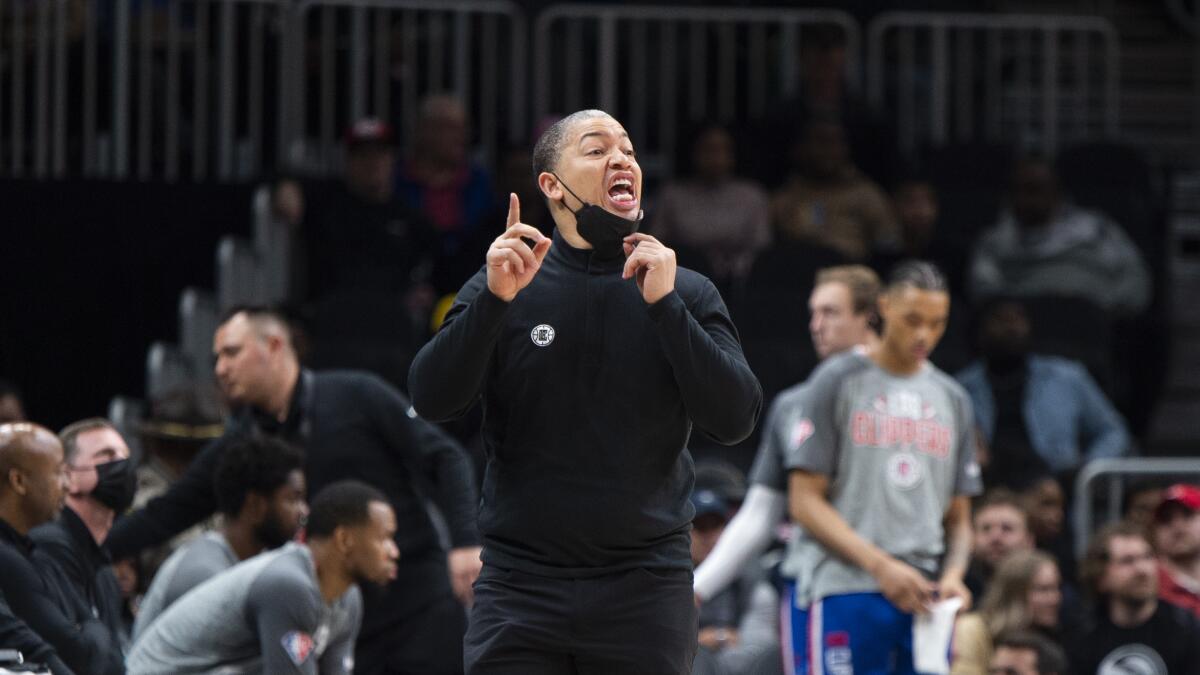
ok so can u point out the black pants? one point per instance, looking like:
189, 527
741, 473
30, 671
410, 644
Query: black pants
640, 622
427, 642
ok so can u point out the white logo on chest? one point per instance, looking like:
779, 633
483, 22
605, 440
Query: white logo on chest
903, 470
542, 334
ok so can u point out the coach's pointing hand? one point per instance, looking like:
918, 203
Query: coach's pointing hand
652, 264
511, 263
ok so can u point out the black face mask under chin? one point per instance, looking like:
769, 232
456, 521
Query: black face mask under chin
605, 231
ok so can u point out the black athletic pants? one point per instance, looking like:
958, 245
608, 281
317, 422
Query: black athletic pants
638, 622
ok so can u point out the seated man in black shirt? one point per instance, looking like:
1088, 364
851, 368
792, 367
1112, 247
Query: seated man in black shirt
101, 483
1135, 632
32, 483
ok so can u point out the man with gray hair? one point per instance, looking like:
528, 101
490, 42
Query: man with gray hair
593, 355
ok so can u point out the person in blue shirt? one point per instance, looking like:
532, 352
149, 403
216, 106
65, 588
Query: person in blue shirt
1036, 413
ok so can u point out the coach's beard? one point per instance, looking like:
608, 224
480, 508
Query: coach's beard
605, 231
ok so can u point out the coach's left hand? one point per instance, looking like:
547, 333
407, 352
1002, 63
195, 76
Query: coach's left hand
464, 564
652, 264
953, 587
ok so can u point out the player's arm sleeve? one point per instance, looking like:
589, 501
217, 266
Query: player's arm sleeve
967, 480
188, 501
744, 539
448, 373
440, 459
719, 391
812, 428
286, 614
1103, 430
338, 658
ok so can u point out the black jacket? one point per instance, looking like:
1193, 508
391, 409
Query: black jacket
16, 634
82, 641
350, 425
589, 396
87, 568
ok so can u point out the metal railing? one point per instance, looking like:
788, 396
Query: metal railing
226, 89
171, 90
1115, 471
364, 57
1036, 75
654, 66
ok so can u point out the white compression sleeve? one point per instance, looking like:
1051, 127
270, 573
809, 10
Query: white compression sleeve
744, 539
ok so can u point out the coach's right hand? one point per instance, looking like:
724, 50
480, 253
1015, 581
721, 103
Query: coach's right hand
904, 586
511, 263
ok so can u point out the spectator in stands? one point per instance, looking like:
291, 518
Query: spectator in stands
293, 610
33, 481
737, 626
261, 494
1001, 528
370, 258
351, 425
914, 200
1044, 246
1026, 594
1176, 538
710, 210
823, 89
1134, 631
1038, 414
12, 408
360, 234
100, 485
1027, 653
828, 202
1043, 498
439, 178
1141, 500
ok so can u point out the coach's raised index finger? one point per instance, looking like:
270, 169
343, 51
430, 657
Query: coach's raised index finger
514, 210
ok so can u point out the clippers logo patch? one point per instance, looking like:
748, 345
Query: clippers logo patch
903, 470
542, 334
298, 646
801, 431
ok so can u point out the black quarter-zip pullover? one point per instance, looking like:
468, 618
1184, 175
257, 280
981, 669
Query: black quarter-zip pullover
589, 397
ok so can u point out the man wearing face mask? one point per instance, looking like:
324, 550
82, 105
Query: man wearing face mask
593, 356
100, 484
1037, 414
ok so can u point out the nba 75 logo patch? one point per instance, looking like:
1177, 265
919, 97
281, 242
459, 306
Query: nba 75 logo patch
298, 646
801, 431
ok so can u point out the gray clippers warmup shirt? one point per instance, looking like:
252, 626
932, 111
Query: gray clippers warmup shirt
265, 615
769, 471
897, 450
189, 566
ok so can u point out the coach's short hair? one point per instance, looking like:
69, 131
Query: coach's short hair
919, 274
862, 281
258, 465
550, 146
343, 504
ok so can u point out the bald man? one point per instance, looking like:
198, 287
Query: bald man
33, 483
